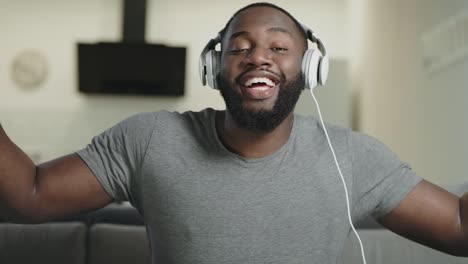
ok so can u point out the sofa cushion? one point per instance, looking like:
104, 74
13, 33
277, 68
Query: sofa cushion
49, 243
115, 243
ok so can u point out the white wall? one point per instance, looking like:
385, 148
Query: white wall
419, 115
55, 119
335, 98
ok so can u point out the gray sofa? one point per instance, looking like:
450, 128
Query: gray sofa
116, 234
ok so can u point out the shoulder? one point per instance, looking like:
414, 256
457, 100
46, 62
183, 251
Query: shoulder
168, 119
354, 140
358, 145
165, 117
312, 127
369, 147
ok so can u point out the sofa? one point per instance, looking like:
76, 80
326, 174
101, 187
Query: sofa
116, 234
113, 234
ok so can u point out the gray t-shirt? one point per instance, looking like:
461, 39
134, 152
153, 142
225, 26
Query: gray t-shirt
204, 204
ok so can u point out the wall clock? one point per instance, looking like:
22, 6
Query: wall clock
29, 69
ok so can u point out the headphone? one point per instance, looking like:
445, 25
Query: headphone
314, 67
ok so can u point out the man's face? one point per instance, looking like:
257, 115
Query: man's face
260, 77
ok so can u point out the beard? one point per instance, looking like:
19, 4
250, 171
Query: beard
264, 120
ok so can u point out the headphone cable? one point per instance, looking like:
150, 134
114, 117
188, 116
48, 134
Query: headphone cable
342, 178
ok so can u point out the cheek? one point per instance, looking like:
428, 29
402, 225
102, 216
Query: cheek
291, 68
228, 67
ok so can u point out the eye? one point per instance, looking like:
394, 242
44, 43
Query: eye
238, 51
279, 49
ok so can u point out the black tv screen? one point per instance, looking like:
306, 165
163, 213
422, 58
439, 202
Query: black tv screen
131, 68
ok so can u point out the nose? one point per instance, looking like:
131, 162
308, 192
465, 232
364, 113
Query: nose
259, 57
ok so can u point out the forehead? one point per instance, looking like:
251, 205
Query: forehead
262, 18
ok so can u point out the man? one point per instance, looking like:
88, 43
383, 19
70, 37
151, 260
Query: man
251, 184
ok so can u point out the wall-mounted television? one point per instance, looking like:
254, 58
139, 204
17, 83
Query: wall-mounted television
131, 68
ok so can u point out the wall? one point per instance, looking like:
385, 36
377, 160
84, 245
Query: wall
420, 115
334, 98
55, 119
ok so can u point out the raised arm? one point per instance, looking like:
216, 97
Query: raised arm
433, 217
32, 194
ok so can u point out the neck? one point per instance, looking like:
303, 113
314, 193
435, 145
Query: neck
252, 144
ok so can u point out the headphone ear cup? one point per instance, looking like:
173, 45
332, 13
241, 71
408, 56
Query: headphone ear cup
323, 70
202, 69
310, 68
211, 66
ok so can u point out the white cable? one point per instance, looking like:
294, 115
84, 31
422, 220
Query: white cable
342, 178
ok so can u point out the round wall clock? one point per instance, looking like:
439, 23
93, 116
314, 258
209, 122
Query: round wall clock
29, 69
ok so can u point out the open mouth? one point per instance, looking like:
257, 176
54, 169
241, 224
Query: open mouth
259, 88
259, 83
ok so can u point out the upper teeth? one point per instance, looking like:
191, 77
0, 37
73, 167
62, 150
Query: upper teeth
265, 80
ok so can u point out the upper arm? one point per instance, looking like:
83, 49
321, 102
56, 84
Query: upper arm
104, 170
66, 186
428, 215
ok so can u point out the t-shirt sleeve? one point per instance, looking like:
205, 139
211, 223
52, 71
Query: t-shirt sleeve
115, 156
381, 180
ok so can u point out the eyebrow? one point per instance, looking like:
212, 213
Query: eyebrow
279, 29
272, 29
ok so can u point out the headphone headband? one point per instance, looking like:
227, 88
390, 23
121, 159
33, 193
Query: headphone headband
310, 35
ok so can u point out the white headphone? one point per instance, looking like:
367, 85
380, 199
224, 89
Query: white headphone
314, 63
